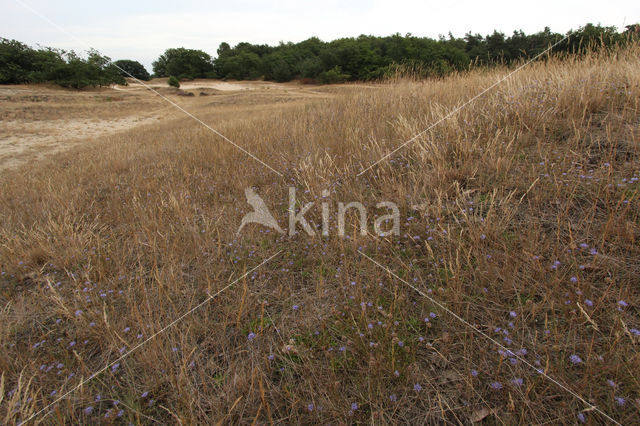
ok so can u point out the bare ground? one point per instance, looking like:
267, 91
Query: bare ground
38, 120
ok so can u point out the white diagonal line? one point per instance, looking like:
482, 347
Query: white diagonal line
162, 330
460, 107
486, 336
50, 22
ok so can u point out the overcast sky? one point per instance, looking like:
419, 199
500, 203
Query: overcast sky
142, 29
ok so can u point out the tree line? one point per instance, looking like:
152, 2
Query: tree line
362, 58
20, 63
371, 58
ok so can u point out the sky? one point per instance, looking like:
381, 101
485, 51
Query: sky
142, 29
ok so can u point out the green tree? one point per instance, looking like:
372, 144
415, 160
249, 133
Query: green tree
173, 82
277, 66
184, 63
130, 68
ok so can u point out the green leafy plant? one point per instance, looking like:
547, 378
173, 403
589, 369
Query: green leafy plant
174, 82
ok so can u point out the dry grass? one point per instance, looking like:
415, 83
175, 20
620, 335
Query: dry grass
530, 224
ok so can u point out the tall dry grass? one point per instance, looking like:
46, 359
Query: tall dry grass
527, 228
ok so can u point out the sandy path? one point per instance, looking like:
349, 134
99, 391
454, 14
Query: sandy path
223, 86
36, 140
36, 121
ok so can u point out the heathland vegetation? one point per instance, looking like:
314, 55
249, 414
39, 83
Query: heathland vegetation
120, 260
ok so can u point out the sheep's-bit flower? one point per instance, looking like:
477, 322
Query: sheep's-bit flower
575, 359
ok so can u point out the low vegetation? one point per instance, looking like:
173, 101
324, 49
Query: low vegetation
173, 82
520, 215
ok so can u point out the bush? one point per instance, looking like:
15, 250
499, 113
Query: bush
333, 76
173, 82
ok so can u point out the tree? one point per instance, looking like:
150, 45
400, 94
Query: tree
241, 66
497, 47
129, 68
15, 62
184, 63
277, 66
223, 48
20, 63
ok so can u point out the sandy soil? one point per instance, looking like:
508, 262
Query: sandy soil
206, 84
37, 121
35, 140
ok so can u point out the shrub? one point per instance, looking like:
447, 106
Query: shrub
173, 82
333, 76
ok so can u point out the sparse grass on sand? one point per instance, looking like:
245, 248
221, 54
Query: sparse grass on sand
528, 229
